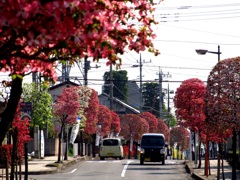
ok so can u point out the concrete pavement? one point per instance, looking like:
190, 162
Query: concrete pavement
200, 173
48, 165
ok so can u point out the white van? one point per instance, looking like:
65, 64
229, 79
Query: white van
111, 148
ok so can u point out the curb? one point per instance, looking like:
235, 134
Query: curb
60, 167
191, 172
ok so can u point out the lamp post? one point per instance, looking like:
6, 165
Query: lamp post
97, 138
203, 52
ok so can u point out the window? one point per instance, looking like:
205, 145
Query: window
152, 141
110, 142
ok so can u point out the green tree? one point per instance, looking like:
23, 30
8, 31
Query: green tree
150, 97
41, 105
151, 103
120, 84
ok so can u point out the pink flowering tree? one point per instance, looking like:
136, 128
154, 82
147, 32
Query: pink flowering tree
105, 119
115, 125
222, 101
189, 104
163, 128
151, 119
36, 34
65, 110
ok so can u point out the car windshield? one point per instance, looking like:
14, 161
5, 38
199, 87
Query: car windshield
110, 142
152, 141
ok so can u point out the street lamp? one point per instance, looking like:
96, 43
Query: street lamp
96, 138
204, 51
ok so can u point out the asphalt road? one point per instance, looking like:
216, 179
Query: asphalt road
120, 169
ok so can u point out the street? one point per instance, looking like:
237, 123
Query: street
120, 169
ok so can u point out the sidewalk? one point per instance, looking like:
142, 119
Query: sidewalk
199, 173
47, 165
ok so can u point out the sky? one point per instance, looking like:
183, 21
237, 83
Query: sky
184, 26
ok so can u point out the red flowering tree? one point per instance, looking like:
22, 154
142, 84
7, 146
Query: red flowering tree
189, 103
20, 135
181, 136
115, 126
105, 118
34, 35
222, 101
151, 119
65, 110
88, 98
132, 124
163, 128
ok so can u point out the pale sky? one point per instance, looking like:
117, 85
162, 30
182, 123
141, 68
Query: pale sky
189, 25
184, 25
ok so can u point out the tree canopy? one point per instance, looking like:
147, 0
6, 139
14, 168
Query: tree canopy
133, 125
162, 128
34, 34
189, 103
181, 136
152, 121
41, 102
120, 84
223, 92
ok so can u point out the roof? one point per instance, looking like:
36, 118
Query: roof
64, 83
122, 103
153, 134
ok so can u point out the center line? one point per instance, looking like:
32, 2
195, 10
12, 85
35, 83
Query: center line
125, 168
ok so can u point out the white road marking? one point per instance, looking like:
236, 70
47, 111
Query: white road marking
172, 162
71, 171
125, 168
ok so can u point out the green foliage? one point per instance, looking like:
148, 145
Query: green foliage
150, 97
41, 105
70, 151
151, 103
120, 82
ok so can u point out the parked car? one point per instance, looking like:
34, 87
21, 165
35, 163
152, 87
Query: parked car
152, 148
111, 148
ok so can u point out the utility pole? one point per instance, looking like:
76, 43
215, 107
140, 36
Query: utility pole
111, 88
140, 83
160, 78
168, 108
160, 93
86, 68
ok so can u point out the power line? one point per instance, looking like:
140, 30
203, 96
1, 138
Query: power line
195, 42
197, 30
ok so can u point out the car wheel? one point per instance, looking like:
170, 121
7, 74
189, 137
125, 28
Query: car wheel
101, 158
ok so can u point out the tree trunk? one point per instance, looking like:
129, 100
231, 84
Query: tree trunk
199, 155
8, 114
234, 156
60, 144
14, 153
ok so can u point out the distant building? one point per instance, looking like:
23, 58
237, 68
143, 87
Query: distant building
118, 106
133, 94
56, 90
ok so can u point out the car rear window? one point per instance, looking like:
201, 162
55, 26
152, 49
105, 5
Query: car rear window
152, 141
110, 142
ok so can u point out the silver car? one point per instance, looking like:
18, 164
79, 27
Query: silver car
111, 148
